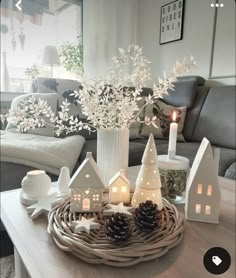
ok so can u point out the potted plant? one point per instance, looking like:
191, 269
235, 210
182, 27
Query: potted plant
71, 55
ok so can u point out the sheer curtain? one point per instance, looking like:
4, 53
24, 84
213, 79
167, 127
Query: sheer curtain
107, 26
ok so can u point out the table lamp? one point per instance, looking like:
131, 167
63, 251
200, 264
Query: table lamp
51, 57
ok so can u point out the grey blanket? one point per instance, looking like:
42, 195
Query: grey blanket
41, 152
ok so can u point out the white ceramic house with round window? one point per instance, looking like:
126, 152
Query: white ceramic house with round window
119, 188
202, 189
87, 187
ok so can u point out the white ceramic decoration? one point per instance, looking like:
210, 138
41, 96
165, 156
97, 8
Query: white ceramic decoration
85, 225
202, 190
5, 80
43, 205
87, 187
63, 181
148, 183
112, 151
119, 188
36, 184
120, 208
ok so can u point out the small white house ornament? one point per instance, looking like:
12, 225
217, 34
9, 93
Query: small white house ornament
148, 183
87, 187
202, 189
119, 188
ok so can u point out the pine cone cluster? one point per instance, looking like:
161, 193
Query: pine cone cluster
117, 227
147, 217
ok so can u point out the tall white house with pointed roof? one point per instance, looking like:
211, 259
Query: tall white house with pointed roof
148, 183
202, 189
87, 187
119, 188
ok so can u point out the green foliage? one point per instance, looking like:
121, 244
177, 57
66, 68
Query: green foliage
72, 56
32, 72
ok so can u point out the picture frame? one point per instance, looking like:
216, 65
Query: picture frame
171, 22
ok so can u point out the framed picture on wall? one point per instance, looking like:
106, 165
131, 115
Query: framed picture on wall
171, 24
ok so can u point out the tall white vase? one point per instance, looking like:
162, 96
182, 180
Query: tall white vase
112, 151
5, 80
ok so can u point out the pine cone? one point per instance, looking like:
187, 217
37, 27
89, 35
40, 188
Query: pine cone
117, 227
147, 217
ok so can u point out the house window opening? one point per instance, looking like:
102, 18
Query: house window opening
95, 197
208, 210
209, 190
199, 188
123, 189
198, 208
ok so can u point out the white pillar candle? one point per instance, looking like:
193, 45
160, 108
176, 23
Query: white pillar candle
173, 137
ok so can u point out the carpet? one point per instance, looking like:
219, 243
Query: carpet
7, 267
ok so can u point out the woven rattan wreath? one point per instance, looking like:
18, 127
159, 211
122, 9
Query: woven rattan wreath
95, 248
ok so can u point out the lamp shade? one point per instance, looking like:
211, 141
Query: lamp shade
50, 56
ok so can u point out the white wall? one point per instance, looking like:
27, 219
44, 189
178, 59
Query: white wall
110, 24
107, 25
197, 37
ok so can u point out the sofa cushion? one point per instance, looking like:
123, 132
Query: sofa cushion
63, 88
193, 113
231, 172
185, 91
217, 118
163, 113
51, 99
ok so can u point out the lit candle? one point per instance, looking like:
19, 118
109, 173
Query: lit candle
173, 137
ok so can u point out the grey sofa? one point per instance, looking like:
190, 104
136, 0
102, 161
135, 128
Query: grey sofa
211, 114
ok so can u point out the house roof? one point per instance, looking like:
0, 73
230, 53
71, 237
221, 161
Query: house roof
204, 165
121, 175
87, 175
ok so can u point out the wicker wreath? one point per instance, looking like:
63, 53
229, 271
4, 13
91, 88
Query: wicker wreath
96, 249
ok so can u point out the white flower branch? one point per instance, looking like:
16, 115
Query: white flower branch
111, 101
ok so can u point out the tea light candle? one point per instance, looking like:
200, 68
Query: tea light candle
173, 137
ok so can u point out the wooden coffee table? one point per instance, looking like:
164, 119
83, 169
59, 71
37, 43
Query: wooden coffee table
36, 254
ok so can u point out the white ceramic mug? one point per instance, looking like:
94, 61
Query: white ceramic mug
36, 184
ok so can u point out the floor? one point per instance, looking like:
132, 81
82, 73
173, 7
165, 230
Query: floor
7, 267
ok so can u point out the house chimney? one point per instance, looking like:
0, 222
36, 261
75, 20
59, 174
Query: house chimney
89, 155
122, 172
216, 154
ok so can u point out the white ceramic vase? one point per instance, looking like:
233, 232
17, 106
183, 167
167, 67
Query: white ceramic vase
63, 181
112, 151
36, 184
5, 80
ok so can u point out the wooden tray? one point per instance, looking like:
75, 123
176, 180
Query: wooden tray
96, 249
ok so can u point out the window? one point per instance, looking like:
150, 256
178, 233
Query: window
76, 197
123, 189
209, 190
49, 23
95, 197
114, 189
208, 210
199, 188
198, 208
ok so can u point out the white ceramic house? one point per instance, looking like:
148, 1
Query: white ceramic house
202, 189
119, 188
148, 183
87, 187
